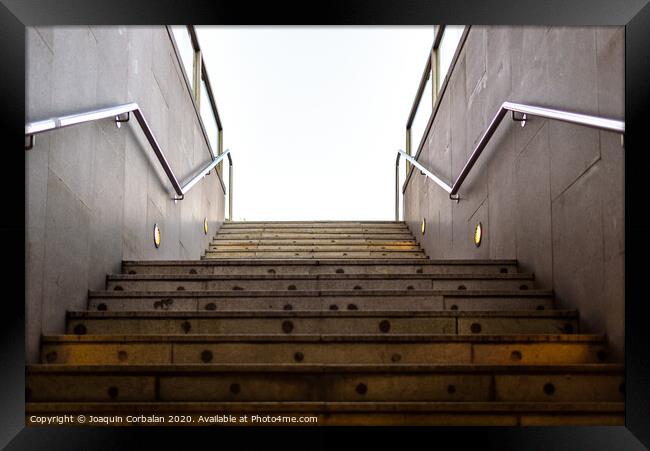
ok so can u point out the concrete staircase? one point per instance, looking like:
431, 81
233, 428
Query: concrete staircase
349, 322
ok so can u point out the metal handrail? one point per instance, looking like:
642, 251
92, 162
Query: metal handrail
516, 108
117, 113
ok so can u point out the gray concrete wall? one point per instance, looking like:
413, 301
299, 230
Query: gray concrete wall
95, 191
549, 194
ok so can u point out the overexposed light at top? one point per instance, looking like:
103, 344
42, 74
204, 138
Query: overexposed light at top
314, 115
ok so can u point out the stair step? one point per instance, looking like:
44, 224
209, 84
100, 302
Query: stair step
306, 236
315, 254
330, 322
313, 247
366, 230
144, 282
350, 266
294, 383
321, 300
325, 221
521, 349
348, 413
229, 241
314, 226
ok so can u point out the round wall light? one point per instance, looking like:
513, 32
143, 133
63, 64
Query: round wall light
424, 225
157, 236
478, 234
205, 226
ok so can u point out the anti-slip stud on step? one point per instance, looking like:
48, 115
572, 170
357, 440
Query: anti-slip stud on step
80, 329
51, 357
163, 304
113, 392
206, 356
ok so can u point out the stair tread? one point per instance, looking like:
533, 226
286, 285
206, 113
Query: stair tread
311, 237
325, 367
324, 406
289, 240
329, 338
310, 224
308, 255
257, 262
246, 246
370, 276
318, 221
317, 293
325, 314
314, 231
313, 225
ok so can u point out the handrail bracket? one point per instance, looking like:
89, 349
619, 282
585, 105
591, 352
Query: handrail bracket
119, 121
29, 143
522, 119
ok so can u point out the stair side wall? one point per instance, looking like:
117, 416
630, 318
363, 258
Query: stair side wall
94, 192
549, 194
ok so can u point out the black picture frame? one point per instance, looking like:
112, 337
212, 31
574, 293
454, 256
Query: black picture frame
633, 14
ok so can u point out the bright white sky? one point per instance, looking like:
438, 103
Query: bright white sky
314, 115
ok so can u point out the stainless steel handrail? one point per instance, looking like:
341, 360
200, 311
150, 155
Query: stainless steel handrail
525, 110
117, 113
